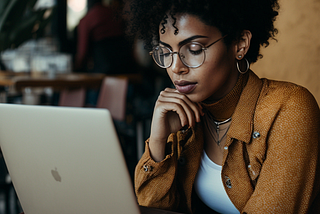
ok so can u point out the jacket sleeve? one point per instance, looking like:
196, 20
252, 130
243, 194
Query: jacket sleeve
289, 177
155, 181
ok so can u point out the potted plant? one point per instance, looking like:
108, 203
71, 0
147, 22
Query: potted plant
19, 22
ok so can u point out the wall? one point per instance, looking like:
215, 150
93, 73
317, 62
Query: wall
296, 55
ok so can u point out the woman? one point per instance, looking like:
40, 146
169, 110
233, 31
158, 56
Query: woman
224, 140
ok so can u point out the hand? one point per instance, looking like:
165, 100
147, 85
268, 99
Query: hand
172, 111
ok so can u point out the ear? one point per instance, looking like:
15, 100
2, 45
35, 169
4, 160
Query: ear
243, 44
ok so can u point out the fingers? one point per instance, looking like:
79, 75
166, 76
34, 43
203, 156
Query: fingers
188, 111
183, 115
196, 107
172, 111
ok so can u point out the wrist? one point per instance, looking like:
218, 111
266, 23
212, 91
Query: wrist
157, 149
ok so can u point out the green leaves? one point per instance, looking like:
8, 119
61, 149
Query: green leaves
19, 22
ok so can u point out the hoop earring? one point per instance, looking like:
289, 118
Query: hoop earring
248, 66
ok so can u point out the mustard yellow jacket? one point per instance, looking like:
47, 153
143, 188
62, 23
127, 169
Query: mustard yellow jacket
270, 160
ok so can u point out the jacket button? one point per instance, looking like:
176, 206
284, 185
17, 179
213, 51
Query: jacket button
249, 166
228, 182
147, 168
182, 161
256, 135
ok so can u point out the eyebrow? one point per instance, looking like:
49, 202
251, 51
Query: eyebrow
184, 41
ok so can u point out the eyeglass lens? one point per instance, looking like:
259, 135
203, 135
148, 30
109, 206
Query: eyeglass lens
191, 54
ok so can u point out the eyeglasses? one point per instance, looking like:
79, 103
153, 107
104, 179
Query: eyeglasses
191, 54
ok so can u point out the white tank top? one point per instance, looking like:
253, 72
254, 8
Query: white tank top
210, 189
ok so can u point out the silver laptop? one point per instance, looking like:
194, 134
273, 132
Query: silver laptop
65, 160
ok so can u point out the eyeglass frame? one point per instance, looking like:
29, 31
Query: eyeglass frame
204, 48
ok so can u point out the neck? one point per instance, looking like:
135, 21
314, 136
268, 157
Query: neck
223, 109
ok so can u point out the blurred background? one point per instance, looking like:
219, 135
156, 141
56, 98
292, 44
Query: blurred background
50, 40
295, 57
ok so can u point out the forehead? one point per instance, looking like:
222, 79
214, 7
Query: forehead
187, 26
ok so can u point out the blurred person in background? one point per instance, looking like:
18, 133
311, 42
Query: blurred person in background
101, 44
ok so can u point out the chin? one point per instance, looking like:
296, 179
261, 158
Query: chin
195, 98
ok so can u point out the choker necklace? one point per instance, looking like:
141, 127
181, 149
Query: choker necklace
214, 126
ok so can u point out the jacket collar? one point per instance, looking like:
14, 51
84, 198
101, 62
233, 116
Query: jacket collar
242, 120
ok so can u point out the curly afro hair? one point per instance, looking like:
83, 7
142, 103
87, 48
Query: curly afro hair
231, 17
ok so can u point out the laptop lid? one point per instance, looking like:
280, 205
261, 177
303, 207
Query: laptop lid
65, 160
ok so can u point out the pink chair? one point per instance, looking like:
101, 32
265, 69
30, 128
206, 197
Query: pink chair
72, 97
112, 96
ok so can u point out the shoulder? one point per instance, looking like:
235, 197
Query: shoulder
287, 100
287, 93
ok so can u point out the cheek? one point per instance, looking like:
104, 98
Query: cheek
169, 72
171, 75
218, 58
218, 64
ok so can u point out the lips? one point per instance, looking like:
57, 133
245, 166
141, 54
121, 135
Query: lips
185, 87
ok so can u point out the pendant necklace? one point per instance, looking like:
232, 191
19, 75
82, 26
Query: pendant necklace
214, 126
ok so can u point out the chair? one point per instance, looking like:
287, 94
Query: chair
113, 95
72, 97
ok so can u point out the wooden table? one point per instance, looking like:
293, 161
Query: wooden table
31, 85
58, 81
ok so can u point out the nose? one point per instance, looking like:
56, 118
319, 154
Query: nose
177, 65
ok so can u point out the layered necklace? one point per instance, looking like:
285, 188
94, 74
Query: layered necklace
214, 127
